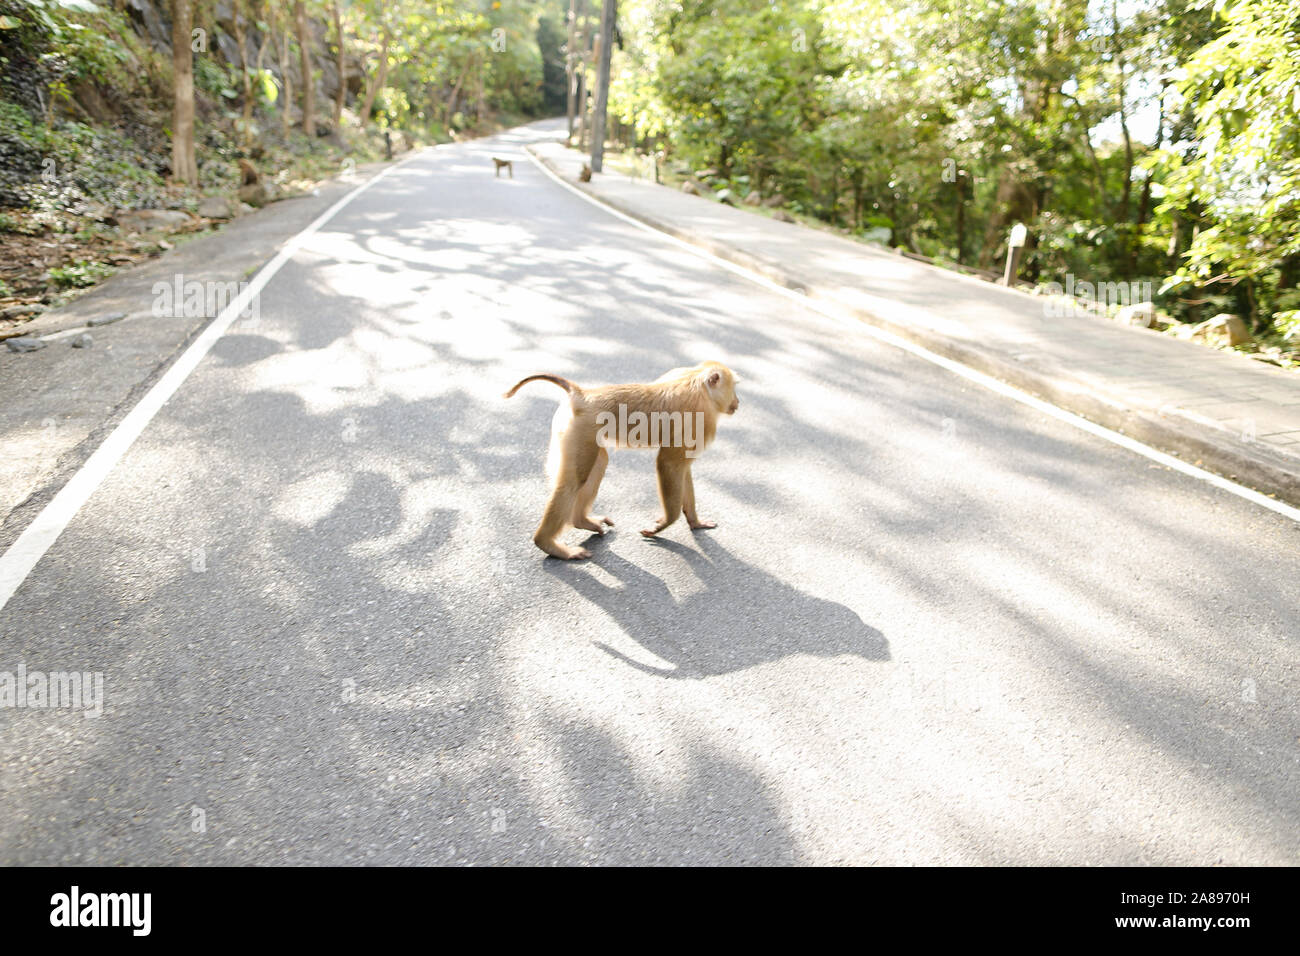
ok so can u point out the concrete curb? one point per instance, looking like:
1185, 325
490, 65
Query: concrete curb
1256, 466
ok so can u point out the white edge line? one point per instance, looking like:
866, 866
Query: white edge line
37, 538
965, 371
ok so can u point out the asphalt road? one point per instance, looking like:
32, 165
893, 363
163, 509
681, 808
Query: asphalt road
932, 626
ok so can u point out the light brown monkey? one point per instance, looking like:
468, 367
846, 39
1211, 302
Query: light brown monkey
510, 167
677, 413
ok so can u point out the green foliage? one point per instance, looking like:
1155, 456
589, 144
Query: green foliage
215, 79
741, 81
950, 121
81, 274
1242, 181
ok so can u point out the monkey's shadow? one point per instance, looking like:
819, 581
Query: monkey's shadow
741, 617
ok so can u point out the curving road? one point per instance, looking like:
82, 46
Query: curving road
932, 626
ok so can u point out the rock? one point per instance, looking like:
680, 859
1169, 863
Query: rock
245, 209
705, 173
24, 343
18, 311
217, 207
147, 220
1140, 313
782, 216
99, 212
151, 16
725, 196
753, 199
1223, 329
108, 319
689, 186
773, 201
82, 341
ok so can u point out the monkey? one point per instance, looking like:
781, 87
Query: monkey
248, 173
615, 416
510, 167
585, 174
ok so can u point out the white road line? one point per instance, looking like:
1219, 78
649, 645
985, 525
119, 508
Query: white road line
965, 371
23, 555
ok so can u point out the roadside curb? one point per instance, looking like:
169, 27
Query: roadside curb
1256, 466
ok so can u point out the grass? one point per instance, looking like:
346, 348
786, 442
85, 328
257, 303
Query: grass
80, 275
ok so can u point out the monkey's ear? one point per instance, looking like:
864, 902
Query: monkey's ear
714, 378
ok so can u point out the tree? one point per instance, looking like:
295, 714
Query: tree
308, 80
377, 82
1242, 182
282, 46
185, 167
341, 96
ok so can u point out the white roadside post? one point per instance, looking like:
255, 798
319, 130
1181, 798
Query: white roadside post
1014, 245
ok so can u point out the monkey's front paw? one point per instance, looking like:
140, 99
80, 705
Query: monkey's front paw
702, 525
575, 553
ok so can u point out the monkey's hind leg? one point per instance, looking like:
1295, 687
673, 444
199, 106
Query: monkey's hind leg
672, 468
578, 458
688, 504
582, 516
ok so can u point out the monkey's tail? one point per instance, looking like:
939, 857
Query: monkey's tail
564, 383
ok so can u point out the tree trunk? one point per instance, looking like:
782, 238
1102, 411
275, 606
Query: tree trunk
1144, 201
455, 92
598, 118
241, 40
342, 65
286, 101
184, 165
960, 183
582, 109
377, 84
1124, 219
304, 60
571, 67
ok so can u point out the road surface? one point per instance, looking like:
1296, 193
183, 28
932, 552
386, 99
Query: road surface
933, 626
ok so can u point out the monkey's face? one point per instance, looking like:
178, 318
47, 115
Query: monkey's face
721, 383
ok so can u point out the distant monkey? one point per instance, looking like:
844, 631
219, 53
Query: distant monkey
510, 167
585, 174
248, 174
677, 413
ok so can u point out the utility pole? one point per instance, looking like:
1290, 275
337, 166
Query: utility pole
602, 85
